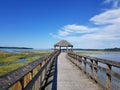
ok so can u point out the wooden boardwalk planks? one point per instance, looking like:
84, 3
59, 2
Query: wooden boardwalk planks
71, 78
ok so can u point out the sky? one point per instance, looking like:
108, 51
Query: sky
42, 23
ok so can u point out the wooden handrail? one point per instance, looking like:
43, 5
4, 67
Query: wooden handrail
94, 67
21, 77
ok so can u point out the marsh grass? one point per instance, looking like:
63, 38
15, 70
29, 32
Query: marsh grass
9, 61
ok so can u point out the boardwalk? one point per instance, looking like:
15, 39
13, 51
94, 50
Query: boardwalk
71, 78
57, 72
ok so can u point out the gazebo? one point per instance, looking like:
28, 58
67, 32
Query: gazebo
63, 43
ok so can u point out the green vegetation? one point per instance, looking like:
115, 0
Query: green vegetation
9, 61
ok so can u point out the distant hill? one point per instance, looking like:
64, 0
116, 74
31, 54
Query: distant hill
15, 48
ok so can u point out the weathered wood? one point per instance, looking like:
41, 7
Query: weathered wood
108, 78
22, 76
37, 84
95, 71
17, 86
10, 78
94, 67
112, 63
91, 68
27, 78
38, 67
70, 77
79, 59
40, 76
85, 65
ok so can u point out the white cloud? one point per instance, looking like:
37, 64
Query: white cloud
115, 3
108, 17
105, 34
75, 29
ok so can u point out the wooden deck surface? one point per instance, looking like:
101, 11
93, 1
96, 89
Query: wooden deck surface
71, 78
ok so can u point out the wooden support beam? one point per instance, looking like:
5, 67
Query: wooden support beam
17, 86
95, 71
27, 78
94, 67
91, 67
80, 62
85, 65
108, 78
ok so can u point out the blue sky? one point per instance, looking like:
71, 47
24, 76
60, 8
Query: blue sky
42, 23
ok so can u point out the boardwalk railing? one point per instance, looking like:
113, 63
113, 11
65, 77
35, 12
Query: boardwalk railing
104, 72
29, 77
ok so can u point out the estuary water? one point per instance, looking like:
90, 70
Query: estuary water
115, 56
109, 55
15, 51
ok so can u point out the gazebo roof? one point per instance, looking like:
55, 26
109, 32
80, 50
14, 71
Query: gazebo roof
63, 43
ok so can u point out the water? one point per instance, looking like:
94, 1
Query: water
108, 56
19, 51
15, 51
22, 60
115, 56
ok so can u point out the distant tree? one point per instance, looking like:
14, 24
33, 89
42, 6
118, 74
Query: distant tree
112, 49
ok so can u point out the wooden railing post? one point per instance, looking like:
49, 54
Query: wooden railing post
99, 73
77, 59
85, 65
27, 78
91, 67
95, 71
108, 77
80, 62
37, 84
17, 86
32, 74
